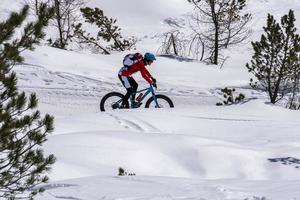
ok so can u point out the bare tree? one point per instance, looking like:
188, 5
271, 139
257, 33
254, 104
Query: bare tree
220, 24
170, 45
173, 43
34, 4
197, 46
67, 12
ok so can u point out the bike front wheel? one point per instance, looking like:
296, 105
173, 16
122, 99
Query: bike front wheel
162, 100
112, 101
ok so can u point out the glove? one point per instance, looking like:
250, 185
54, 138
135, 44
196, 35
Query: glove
154, 85
153, 79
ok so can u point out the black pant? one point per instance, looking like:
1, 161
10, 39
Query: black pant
131, 86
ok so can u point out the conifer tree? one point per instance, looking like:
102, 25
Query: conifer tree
22, 128
275, 62
108, 32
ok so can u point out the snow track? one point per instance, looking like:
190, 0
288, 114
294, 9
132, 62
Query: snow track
134, 123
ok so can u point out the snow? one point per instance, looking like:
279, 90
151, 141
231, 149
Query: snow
193, 151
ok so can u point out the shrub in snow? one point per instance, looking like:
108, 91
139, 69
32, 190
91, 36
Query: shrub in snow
230, 97
256, 198
122, 172
23, 164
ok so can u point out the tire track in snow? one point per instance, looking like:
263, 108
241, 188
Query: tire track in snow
135, 124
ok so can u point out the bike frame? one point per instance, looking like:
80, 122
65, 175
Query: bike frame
148, 91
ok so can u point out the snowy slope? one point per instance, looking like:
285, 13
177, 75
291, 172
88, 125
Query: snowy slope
194, 151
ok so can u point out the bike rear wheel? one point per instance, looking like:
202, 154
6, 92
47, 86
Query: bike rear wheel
112, 101
162, 100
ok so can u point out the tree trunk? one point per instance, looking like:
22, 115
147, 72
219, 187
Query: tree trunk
216, 25
295, 90
174, 45
216, 50
60, 28
36, 4
273, 98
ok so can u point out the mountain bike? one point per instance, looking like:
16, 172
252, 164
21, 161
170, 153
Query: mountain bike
114, 100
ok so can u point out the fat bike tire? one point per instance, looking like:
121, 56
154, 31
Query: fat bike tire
109, 99
162, 100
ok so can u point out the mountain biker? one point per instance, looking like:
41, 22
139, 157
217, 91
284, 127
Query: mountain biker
128, 81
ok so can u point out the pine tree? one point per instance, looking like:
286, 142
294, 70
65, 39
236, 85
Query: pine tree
275, 62
109, 32
22, 129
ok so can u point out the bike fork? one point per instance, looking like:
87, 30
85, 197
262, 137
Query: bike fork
155, 100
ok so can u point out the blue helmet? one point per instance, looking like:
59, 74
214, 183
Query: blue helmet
149, 57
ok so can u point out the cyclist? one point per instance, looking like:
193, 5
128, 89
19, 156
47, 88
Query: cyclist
138, 63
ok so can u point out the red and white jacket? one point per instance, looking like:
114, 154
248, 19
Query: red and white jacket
138, 66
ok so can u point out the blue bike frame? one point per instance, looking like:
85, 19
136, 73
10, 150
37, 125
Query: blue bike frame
148, 91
